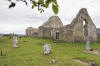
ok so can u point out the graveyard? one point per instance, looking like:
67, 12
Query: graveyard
30, 53
68, 36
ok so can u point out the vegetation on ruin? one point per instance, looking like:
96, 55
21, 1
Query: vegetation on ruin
30, 53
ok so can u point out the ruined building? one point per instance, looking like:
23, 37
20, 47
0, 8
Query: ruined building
32, 32
80, 27
47, 30
98, 33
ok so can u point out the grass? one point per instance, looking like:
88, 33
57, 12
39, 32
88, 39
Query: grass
30, 53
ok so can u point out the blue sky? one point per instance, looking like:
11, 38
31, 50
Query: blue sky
19, 18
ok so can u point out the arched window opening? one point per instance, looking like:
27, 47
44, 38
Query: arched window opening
85, 28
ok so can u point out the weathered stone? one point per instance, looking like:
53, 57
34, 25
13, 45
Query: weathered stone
1, 36
52, 61
15, 42
48, 29
80, 27
33, 32
92, 63
98, 33
11, 34
77, 30
66, 33
47, 49
87, 44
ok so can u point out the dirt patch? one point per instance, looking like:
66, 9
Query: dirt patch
94, 52
81, 62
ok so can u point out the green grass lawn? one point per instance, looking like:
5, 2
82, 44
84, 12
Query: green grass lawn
30, 53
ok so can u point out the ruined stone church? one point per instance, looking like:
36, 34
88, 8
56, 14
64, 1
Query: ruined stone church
49, 28
80, 27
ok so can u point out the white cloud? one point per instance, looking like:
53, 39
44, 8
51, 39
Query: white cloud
19, 18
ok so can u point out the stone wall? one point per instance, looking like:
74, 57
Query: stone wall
80, 31
48, 28
80, 27
33, 32
66, 33
77, 30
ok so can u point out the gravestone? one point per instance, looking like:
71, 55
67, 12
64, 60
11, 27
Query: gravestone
91, 63
11, 34
1, 36
52, 61
87, 44
15, 42
47, 49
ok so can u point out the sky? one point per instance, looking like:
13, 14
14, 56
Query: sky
20, 17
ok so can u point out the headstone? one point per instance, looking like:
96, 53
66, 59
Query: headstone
52, 61
92, 63
47, 49
15, 42
1, 36
87, 44
11, 34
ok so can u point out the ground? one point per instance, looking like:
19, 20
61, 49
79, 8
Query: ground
30, 53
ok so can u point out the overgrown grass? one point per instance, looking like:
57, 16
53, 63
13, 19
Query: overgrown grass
30, 53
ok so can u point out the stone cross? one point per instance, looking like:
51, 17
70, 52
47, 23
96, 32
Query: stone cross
15, 42
87, 43
47, 49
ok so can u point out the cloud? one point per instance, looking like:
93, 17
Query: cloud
19, 18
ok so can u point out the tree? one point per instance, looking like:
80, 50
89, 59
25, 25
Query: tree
40, 4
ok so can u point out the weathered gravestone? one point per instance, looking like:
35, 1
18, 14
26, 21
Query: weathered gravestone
11, 35
91, 63
87, 44
15, 42
1, 36
52, 61
47, 49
